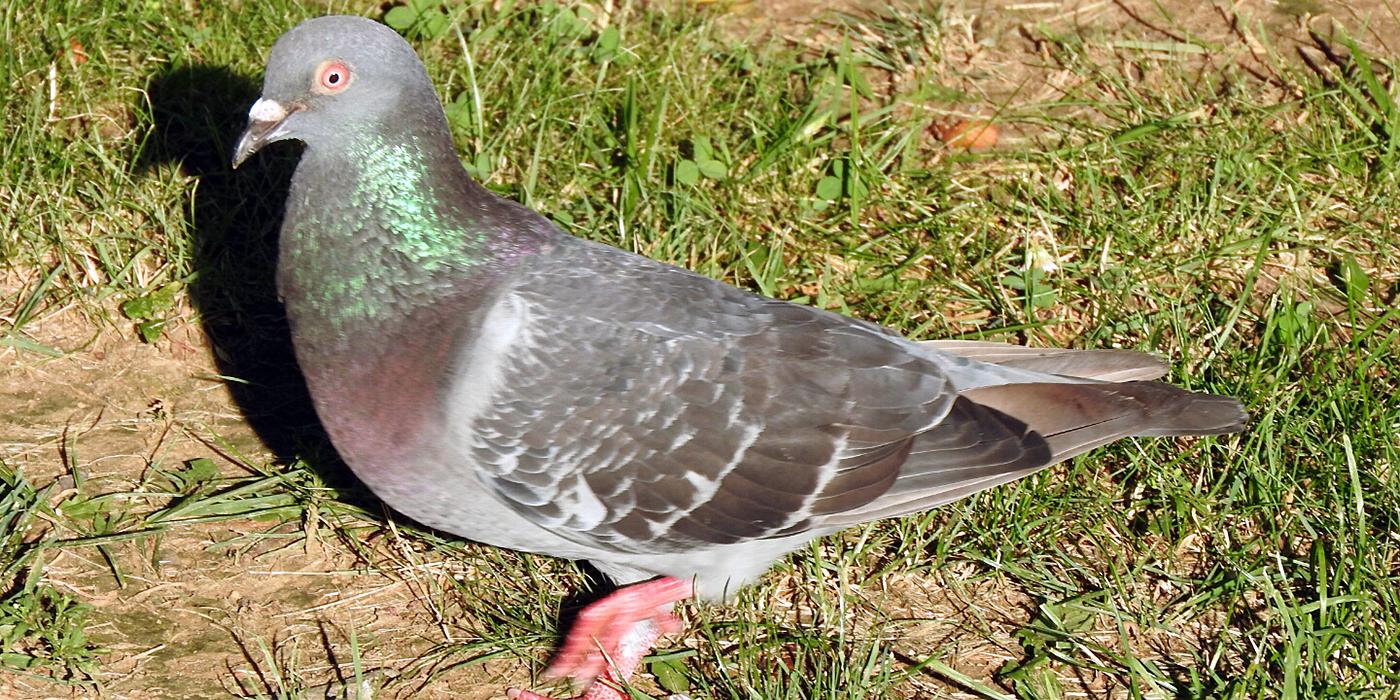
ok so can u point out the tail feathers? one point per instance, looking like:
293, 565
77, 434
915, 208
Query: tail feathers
1101, 365
1075, 418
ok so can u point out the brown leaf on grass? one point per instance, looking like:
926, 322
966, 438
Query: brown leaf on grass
76, 52
967, 134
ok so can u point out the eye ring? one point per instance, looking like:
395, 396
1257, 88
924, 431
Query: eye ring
332, 77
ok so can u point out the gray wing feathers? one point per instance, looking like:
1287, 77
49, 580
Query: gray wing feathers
681, 412
972, 449
660, 411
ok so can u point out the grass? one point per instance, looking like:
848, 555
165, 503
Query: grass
1245, 228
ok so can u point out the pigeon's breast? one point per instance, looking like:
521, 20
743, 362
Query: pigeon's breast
405, 423
379, 397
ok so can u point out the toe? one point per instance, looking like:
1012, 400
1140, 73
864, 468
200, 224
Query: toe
591, 643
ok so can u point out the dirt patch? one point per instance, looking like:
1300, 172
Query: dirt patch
205, 610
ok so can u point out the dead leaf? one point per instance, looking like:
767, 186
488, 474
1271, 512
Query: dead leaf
76, 52
967, 134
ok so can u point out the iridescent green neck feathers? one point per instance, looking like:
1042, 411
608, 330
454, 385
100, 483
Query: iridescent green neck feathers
374, 231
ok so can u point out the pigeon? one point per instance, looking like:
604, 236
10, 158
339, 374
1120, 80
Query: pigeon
489, 375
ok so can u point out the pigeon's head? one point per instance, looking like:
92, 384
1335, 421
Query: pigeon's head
330, 78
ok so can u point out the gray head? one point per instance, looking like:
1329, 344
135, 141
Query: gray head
332, 77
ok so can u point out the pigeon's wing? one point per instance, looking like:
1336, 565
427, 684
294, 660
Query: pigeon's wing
640, 407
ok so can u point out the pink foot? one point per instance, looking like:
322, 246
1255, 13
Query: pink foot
612, 635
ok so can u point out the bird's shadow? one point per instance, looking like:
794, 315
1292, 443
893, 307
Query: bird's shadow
234, 215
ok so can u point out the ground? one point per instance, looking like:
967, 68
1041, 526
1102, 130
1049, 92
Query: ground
1211, 181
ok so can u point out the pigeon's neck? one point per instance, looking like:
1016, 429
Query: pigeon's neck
379, 230
389, 255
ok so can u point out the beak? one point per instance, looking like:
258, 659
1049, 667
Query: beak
265, 121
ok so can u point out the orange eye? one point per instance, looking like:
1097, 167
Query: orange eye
334, 77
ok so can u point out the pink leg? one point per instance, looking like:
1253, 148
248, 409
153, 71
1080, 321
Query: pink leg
612, 635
